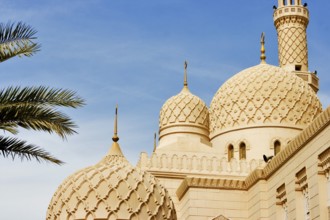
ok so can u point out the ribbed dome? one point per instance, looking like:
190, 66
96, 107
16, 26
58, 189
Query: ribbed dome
184, 109
112, 189
263, 95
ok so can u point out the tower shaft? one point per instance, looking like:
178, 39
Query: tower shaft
291, 19
291, 23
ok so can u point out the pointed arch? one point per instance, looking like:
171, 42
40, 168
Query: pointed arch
242, 151
230, 152
277, 147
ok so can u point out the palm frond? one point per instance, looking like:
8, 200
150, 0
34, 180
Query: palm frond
10, 127
17, 96
17, 40
36, 118
12, 147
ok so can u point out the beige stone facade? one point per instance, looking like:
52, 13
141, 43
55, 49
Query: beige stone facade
260, 151
263, 110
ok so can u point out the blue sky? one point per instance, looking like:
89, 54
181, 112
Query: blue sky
132, 53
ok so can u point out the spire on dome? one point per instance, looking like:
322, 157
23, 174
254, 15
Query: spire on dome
262, 50
155, 143
185, 82
115, 148
115, 138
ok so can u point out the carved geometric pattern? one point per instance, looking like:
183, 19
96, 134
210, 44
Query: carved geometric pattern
292, 45
112, 189
184, 108
260, 95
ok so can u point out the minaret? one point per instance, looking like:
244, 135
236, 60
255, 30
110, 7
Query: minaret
291, 19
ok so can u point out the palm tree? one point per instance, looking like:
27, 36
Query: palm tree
30, 107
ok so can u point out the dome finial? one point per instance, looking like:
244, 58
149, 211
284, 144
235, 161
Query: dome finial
185, 81
115, 138
262, 50
155, 143
115, 148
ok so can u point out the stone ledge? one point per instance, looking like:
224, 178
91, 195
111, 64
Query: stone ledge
209, 183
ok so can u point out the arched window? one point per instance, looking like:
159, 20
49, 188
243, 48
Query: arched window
242, 151
230, 152
277, 147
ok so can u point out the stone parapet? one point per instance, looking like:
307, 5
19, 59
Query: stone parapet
197, 164
291, 10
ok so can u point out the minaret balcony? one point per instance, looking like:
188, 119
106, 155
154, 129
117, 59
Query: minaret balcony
297, 10
311, 78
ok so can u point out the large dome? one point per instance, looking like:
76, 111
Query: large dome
187, 110
112, 189
263, 95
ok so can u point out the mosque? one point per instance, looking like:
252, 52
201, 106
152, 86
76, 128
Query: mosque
261, 150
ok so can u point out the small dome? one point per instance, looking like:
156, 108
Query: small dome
184, 109
263, 95
112, 189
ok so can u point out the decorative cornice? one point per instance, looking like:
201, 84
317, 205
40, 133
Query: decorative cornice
296, 19
254, 177
271, 125
281, 195
168, 175
209, 183
180, 128
324, 162
301, 180
324, 157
